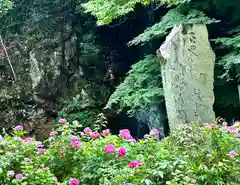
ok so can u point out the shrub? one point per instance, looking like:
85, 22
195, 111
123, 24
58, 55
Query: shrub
76, 111
142, 87
193, 154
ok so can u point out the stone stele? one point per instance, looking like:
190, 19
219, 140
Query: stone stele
187, 61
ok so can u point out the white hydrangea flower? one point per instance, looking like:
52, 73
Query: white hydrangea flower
10, 174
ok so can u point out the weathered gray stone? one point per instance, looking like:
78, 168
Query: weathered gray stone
35, 72
20, 102
188, 75
154, 116
47, 79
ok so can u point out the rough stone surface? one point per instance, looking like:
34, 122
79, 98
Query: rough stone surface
49, 77
154, 116
35, 72
35, 97
188, 75
22, 101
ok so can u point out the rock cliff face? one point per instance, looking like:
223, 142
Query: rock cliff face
25, 99
45, 82
155, 117
188, 75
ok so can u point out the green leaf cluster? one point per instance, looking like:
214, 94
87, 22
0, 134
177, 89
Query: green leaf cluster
5, 5
231, 60
173, 17
142, 86
77, 111
106, 11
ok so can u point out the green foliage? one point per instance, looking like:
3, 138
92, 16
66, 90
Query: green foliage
207, 147
76, 111
231, 43
141, 87
173, 17
193, 154
106, 11
101, 122
18, 158
231, 60
5, 5
89, 46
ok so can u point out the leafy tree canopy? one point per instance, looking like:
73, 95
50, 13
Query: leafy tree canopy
5, 5
232, 59
106, 11
172, 18
142, 86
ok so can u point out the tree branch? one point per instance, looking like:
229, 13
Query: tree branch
8, 59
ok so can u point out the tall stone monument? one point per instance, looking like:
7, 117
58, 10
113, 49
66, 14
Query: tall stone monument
187, 61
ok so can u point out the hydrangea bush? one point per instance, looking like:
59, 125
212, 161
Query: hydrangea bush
193, 154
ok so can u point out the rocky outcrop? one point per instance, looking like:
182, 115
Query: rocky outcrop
154, 116
188, 75
21, 100
46, 82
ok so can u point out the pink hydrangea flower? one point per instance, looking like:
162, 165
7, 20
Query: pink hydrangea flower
62, 121
193, 181
73, 181
106, 132
124, 132
41, 150
231, 129
109, 149
122, 152
76, 144
236, 134
146, 136
237, 123
87, 130
155, 132
213, 125
233, 154
19, 176
74, 138
134, 164
95, 135
127, 137
53, 134
18, 128
28, 139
